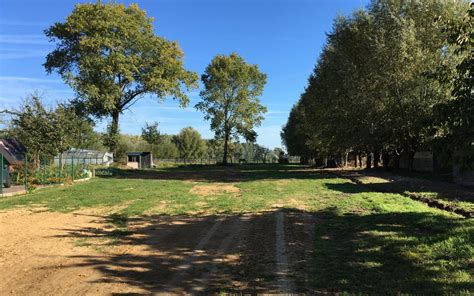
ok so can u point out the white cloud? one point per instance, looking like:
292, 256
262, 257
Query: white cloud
28, 79
22, 54
26, 24
24, 39
13, 89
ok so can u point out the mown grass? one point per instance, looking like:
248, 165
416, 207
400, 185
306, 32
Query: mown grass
366, 242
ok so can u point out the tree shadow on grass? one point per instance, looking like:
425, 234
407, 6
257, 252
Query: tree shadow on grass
441, 200
400, 184
362, 254
215, 173
392, 253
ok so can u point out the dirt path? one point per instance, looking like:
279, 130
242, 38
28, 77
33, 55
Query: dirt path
49, 253
282, 267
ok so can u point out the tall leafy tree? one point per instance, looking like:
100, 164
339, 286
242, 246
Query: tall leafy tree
151, 134
296, 134
167, 148
45, 132
455, 118
189, 143
230, 99
110, 56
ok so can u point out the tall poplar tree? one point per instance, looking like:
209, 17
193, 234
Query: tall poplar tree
230, 99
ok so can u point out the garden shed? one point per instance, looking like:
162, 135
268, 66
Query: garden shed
84, 156
139, 160
13, 151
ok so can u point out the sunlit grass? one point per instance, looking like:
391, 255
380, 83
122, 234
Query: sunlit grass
366, 242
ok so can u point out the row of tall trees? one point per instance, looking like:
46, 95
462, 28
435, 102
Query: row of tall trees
381, 80
110, 56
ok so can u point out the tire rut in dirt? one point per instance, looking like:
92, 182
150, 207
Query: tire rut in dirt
221, 272
256, 270
159, 250
207, 257
299, 235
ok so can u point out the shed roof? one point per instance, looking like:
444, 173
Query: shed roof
13, 150
139, 153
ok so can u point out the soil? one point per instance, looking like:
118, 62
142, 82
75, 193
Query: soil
82, 253
214, 189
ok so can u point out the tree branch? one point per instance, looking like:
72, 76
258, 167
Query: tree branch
5, 111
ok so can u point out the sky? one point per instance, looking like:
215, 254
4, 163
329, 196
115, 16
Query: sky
284, 37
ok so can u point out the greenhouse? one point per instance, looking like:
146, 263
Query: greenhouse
85, 157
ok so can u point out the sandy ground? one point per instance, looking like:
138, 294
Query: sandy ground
46, 253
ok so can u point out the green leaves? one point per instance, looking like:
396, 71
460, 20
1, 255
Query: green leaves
189, 143
230, 99
372, 88
110, 56
151, 134
47, 132
455, 118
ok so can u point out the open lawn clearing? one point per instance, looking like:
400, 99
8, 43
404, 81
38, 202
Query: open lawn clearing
149, 231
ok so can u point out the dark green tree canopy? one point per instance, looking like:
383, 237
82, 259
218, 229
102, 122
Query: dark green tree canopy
49, 131
372, 89
230, 99
189, 143
110, 56
151, 134
455, 117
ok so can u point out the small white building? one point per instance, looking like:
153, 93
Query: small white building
84, 156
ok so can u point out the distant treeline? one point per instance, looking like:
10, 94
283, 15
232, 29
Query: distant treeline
46, 132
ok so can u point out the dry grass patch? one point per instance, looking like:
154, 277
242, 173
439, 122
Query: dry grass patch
291, 202
161, 206
373, 180
214, 189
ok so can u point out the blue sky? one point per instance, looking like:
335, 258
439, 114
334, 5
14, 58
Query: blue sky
284, 37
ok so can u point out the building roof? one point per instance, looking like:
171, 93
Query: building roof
13, 150
139, 153
83, 153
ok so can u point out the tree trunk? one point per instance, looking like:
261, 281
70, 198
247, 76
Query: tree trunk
385, 160
369, 160
396, 160
355, 160
411, 157
113, 132
376, 158
226, 148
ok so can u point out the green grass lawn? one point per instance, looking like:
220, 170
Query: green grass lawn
366, 241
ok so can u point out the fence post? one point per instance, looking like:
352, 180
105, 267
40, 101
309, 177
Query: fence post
44, 172
1, 177
60, 162
26, 172
72, 167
